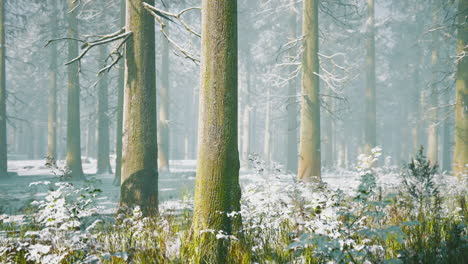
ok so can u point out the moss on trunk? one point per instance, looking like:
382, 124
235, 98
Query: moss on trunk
460, 155
140, 151
217, 190
120, 106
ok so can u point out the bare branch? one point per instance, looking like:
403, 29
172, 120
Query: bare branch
157, 14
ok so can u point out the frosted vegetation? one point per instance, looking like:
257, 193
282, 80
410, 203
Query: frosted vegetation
233, 131
419, 218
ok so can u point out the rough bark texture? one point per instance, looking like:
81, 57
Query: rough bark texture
309, 145
52, 118
432, 133
103, 160
3, 95
163, 126
217, 190
140, 151
460, 155
370, 103
120, 106
291, 162
73, 86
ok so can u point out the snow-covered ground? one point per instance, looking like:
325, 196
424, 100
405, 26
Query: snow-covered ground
16, 193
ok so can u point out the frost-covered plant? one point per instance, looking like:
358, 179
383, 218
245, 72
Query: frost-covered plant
57, 231
418, 179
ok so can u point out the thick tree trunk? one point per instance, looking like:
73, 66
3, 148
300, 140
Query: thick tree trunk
217, 190
73, 112
460, 155
3, 95
103, 140
370, 103
291, 161
309, 145
52, 118
163, 126
120, 105
140, 150
432, 133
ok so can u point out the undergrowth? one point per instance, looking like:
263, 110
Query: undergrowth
419, 221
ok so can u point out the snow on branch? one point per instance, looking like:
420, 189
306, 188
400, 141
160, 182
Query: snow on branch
158, 14
87, 45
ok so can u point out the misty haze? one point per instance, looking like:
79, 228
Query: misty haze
233, 131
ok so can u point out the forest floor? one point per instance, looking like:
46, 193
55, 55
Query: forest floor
16, 193
370, 214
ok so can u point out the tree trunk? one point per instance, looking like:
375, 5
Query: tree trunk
217, 190
328, 141
3, 95
460, 155
246, 118
447, 141
370, 103
120, 106
91, 137
103, 160
163, 148
267, 132
52, 119
309, 145
291, 161
432, 133
140, 149
415, 113
73, 111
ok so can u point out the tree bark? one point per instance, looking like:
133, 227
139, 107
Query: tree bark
52, 118
309, 145
120, 106
103, 160
140, 150
73, 160
163, 140
370, 102
291, 160
460, 155
217, 190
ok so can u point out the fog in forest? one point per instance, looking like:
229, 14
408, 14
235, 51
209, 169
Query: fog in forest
233, 131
